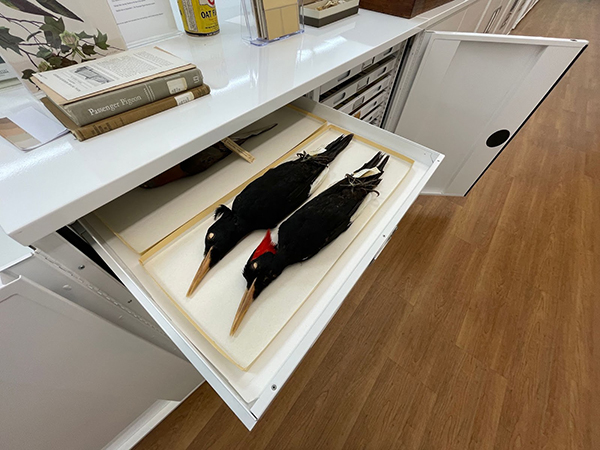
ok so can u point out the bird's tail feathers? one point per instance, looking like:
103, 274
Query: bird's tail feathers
369, 175
333, 149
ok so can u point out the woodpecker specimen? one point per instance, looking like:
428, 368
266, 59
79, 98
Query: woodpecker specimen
202, 160
307, 231
265, 202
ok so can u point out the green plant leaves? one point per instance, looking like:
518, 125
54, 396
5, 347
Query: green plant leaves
84, 35
52, 29
43, 53
9, 41
53, 26
88, 50
27, 74
100, 40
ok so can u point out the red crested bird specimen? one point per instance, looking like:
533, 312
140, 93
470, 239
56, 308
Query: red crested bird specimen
201, 161
311, 228
265, 202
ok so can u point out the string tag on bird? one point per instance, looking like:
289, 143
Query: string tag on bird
237, 149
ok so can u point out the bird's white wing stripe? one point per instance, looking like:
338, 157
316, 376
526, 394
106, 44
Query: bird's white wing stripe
362, 206
366, 172
315, 185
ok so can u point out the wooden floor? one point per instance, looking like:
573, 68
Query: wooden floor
474, 328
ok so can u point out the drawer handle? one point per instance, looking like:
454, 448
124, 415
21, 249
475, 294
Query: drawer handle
358, 102
340, 98
497, 138
494, 14
344, 76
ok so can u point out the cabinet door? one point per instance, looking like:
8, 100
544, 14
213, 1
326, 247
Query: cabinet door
469, 94
71, 380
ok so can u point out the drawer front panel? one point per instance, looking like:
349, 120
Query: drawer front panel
360, 98
375, 72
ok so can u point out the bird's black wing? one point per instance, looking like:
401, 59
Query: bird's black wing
319, 222
275, 195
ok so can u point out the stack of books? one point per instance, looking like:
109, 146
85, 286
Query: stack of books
96, 97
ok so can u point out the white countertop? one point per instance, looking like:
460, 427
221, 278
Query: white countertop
47, 188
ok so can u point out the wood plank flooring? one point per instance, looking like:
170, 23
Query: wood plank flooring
474, 328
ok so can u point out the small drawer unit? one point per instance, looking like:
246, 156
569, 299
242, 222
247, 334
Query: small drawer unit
365, 95
353, 90
342, 92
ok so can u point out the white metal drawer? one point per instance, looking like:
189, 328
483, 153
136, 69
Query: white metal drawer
355, 70
388, 52
368, 107
341, 79
363, 96
374, 114
272, 369
373, 73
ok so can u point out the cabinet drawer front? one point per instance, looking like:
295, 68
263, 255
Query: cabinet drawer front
372, 74
274, 366
368, 107
364, 96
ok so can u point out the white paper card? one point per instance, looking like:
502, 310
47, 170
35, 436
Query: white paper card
143, 20
37, 125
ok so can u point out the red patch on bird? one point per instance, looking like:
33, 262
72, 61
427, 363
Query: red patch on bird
266, 246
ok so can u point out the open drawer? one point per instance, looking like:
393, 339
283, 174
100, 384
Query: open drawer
249, 392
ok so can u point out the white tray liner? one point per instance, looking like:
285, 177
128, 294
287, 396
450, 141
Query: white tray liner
214, 304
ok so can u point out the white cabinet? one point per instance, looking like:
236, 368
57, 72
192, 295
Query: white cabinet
466, 95
71, 380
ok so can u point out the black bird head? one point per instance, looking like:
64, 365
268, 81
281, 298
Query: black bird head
220, 238
262, 268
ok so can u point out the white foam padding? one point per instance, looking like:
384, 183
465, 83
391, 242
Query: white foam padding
142, 217
213, 306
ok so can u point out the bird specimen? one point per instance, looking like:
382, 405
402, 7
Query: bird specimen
315, 225
52, 5
265, 202
202, 160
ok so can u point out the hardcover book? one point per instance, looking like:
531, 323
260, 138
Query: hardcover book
125, 118
102, 106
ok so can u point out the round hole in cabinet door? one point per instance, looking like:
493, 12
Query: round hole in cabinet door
497, 138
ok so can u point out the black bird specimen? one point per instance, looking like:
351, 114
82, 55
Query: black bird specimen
311, 228
202, 160
265, 202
